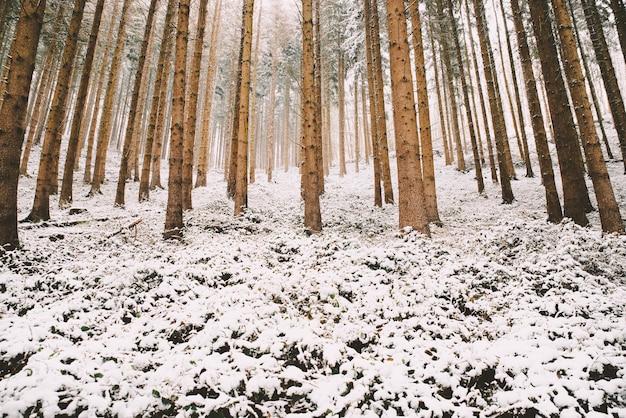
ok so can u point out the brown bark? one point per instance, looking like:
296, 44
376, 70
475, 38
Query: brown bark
553, 205
241, 182
271, 115
607, 205
13, 115
381, 123
174, 212
341, 74
423, 107
312, 211
52, 141
287, 123
440, 101
367, 149
357, 149
611, 86
158, 101
203, 158
106, 125
619, 12
65, 197
496, 114
371, 82
565, 136
411, 200
253, 104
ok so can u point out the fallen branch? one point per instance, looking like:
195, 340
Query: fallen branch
132, 225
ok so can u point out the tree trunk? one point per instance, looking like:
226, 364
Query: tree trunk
494, 104
411, 200
342, 113
565, 136
253, 130
553, 205
241, 185
381, 114
423, 107
72, 150
158, 101
371, 82
312, 212
611, 86
271, 114
174, 211
445, 56
13, 115
367, 149
130, 126
319, 140
52, 140
468, 109
106, 125
286, 123
619, 12
440, 100
357, 149
234, 138
607, 205
518, 101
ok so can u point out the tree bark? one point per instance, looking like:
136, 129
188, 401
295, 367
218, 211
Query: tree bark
241, 185
411, 200
610, 216
52, 141
13, 115
553, 205
312, 211
174, 212
341, 93
565, 136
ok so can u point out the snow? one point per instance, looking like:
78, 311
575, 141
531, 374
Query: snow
498, 313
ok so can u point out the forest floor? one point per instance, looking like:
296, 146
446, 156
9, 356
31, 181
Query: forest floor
499, 314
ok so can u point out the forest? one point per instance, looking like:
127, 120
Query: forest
312, 208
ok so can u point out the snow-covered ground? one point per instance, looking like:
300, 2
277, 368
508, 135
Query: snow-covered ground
499, 314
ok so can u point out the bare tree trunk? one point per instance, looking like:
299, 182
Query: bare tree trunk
271, 114
440, 105
174, 213
610, 216
367, 149
253, 130
619, 12
496, 114
13, 115
72, 151
611, 86
241, 185
423, 107
411, 200
341, 114
312, 212
371, 82
568, 149
553, 205
317, 39
286, 122
381, 124
52, 140
357, 149
106, 125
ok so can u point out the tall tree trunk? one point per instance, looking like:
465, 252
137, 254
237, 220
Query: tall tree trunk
52, 140
241, 185
342, 113
357, 149
130, 126
611, 86
192, 106
565, 136
253, 105
234, 135
271, 114
371, 82
174, 211
553, 205
13, 115
367, 149
72, 150
106, 125
518, 101
286, 123
312, 211
619, 12
158, 101
319, 68
607, 205
411, 200
466, 99
423, 107
440, 99
445, 56
381, 114
494, 104
203, 159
